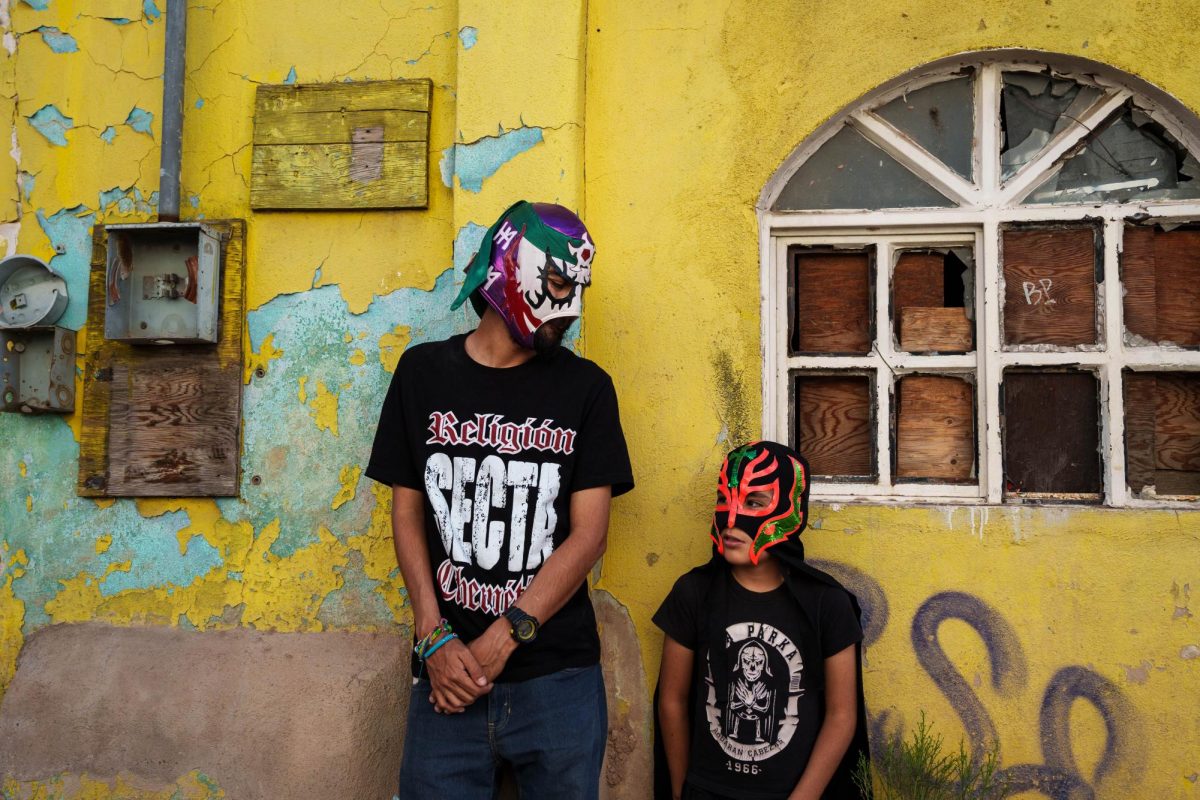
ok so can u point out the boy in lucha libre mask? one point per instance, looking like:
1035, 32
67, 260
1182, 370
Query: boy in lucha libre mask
760, 689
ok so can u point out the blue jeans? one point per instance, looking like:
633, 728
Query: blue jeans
552, 730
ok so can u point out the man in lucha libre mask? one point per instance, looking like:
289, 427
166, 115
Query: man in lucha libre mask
503, 451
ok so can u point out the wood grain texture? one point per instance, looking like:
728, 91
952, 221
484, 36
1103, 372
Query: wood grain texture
102, 357
399, 95
310, 151
1050, 286
1051, 429
834, 424
942, 330
1138, 279
1141, 408
918, 280
316, 176
1177, 288
1170, 483
833, 306
935, 429
333, 127
172, 428
1177, 422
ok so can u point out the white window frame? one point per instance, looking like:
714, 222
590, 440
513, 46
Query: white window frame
984, 208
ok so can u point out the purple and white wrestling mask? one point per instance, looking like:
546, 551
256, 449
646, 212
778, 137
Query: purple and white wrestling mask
515, 261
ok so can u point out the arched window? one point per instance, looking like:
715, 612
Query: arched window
982, 284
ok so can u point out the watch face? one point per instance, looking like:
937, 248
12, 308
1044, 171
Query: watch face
525, 630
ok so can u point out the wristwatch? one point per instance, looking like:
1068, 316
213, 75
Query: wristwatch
524, 626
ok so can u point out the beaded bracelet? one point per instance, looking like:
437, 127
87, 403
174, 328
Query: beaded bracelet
438, 644
434, 635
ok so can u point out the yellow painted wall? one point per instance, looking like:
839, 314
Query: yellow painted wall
661, 122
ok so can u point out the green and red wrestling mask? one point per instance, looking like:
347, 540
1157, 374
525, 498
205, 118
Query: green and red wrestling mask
763, 492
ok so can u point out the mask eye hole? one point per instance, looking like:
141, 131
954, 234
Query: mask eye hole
758, 500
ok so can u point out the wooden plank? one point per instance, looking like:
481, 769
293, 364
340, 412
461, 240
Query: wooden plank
1169, 483
1050, 286
1140, 411
1051, 431
1177, 422
400, 95
1177, 288
317, 176
919, 279
833, 306
103, 356
173, 431
935, 431
1138, 280
334, 127
942, 330
834, 424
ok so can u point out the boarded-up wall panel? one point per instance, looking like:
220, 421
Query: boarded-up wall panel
1140, 411
1177, 422
919, 280
173, 428
1051, 432
1050, 286
935, 431
1138, 276
343, 145
101, 474
942, 330
834, 424
1177, 288
833, 305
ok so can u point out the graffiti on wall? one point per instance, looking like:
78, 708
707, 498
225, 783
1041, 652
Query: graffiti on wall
1060, 776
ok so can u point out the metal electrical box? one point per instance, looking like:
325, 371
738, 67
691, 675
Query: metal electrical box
162, 283
37, 370
30, 293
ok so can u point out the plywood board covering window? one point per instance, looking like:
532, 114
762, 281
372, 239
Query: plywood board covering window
1050, 286
935, 436
834, 424
1161, 273
833, 295
1162, 433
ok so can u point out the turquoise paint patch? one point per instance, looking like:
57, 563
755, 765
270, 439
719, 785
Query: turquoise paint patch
291, 76
127, 201
51, 123
199, 102
118, 20
194, 200
156, 560
140, 120
37, 5
468, 36
109, 134
310, 328
71, 230
476, 162
446, 167
466, 244
150, 11
27, 182
58, 41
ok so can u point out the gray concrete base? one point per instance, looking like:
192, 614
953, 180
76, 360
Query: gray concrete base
263, 715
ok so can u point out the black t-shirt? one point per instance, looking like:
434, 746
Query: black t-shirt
759, 698
497, 453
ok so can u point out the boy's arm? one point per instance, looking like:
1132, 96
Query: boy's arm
674, 679
837, 728
456, 677
558, 579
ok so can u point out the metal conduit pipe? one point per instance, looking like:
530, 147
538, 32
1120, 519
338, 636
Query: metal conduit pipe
172, 111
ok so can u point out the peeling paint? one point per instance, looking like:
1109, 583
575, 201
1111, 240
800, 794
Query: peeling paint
291, 76
70, 786
141, 121
70, 230
51, 123
150, 11
477, 161
468, 36
109, 134
58, 41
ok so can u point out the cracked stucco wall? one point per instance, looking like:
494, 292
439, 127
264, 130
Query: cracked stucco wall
1066, 635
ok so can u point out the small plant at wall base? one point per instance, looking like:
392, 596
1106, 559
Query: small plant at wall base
917, 769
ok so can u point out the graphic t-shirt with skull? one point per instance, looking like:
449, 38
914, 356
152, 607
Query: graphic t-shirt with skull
759, 693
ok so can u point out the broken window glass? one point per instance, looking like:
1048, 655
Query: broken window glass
1130, 157
850, 172
1034, 107
940, 118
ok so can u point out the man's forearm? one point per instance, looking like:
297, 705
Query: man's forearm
560, 577
412, 556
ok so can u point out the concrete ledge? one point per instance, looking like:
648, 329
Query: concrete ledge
263, 715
